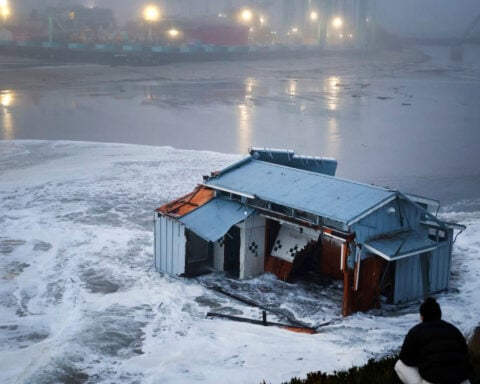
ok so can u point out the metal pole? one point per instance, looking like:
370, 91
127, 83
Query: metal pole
50, 29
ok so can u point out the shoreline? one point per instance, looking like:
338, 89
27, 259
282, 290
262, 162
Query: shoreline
33, 74
369, 108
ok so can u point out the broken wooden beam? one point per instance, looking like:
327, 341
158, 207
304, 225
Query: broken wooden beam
264, 322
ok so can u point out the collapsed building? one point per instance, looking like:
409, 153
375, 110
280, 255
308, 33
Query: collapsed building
278, 212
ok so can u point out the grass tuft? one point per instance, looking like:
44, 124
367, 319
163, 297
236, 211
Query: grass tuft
381, 371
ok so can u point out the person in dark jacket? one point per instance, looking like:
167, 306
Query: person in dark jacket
434, 351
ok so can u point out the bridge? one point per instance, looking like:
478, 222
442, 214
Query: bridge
456, 49
455, 43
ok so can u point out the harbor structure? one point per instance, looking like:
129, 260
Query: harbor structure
289, 215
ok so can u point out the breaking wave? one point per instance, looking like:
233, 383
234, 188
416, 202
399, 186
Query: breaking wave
81, 303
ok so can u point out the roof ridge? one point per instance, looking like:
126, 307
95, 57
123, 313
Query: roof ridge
386, 189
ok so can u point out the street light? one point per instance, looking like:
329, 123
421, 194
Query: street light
6, 99
151, 13
246, 15
4, 10
5, 14
173, 33
314, 29
337, 22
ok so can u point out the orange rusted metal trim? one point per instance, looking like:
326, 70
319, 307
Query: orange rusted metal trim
185, 204
278, 267
309, 331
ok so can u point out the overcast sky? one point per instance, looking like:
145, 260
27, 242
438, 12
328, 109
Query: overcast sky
427, 17
407, 17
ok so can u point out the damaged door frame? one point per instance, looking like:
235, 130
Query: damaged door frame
351, 277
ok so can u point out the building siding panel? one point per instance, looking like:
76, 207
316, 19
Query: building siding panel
440, 268
252, 247
408, 279
382, 221
422, 274
169, 246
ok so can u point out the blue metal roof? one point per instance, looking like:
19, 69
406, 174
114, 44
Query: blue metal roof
213, 219
326, 196
324, 165
401, 245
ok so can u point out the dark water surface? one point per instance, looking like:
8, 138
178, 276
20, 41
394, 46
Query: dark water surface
414, 128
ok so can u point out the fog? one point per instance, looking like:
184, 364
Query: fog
89, 150
425, 18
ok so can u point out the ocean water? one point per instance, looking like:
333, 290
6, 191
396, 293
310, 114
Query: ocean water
83, 168
80, 301
403, 120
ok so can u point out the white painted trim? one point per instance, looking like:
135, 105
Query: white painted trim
357, 274
388, 258
372, 209
248, 196
334, 237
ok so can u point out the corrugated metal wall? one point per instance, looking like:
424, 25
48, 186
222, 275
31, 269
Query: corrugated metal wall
370, 274
415, 276
408, 279
439, 269
440, 264
331, 257
218, 255
380, 221
169, 246
406, 216
420, 275
252, 246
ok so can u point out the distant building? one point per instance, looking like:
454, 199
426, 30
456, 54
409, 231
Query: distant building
331, 23
286, 214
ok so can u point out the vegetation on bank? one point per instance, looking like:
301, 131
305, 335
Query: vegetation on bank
381, 371
474, 345
374, 372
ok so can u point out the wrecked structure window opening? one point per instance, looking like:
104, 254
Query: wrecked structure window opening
436, 234
307, 261
287, 214
387, 283
258, 203
231, 263
281, 209
319, 253
304, 216
199, 255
